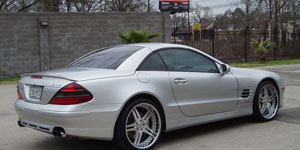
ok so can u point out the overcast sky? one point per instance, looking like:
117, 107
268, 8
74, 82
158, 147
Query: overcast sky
219, 6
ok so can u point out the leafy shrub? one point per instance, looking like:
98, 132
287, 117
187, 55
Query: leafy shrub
262, 48
133, 36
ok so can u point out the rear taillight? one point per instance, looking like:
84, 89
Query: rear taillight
19, 94
71, 94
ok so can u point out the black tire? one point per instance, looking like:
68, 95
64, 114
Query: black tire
257, 115
120, 136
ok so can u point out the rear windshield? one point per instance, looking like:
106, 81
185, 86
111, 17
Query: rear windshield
110, 58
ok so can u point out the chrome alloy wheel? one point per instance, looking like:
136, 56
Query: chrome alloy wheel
268, 101
143, 125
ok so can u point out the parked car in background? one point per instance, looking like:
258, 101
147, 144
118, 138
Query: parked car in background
132, 94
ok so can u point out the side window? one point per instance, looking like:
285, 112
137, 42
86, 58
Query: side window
188, 61
153, 63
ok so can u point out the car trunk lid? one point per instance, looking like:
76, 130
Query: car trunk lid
79, 74
42, 86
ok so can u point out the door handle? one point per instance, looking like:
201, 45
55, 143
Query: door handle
180, 81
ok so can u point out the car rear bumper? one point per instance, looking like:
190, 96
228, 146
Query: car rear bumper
83, 120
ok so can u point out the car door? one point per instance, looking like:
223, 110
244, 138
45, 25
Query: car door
198, 86
153, 75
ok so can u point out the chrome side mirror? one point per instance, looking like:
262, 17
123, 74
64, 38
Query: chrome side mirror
224, 69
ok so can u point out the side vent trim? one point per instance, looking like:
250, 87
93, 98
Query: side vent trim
246, 93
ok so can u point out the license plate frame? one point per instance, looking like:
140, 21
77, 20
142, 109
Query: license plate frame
35, 92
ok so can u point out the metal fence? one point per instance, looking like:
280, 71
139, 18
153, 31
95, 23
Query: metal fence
236, 45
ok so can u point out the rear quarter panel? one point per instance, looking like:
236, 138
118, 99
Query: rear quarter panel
119, 90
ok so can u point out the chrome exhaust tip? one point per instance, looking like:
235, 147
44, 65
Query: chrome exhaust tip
59, 132
20, 124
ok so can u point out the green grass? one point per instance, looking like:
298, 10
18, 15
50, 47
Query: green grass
267, 63
9, 80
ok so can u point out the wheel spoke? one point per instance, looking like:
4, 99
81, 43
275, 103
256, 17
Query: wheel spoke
272, 96
138, 137
150, 132
147, 115
131, 127
269, 107
261, 99
265, 92
136, 114
272, 109
263, 109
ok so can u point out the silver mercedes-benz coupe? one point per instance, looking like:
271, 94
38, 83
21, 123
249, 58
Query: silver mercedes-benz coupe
132, 94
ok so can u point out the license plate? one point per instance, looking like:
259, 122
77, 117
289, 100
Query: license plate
35, 92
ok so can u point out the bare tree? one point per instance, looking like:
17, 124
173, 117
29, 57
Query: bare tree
180, 21
196, 12
252, 7
107, 5
75, 5
51, 5
17, 5
200, 13
147, 6
268, 7
88, 5
285, 15
121, 5
295, 9
207, 12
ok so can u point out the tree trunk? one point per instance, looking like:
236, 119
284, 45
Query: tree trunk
294, 21
283, 32
270, 19
276, 37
